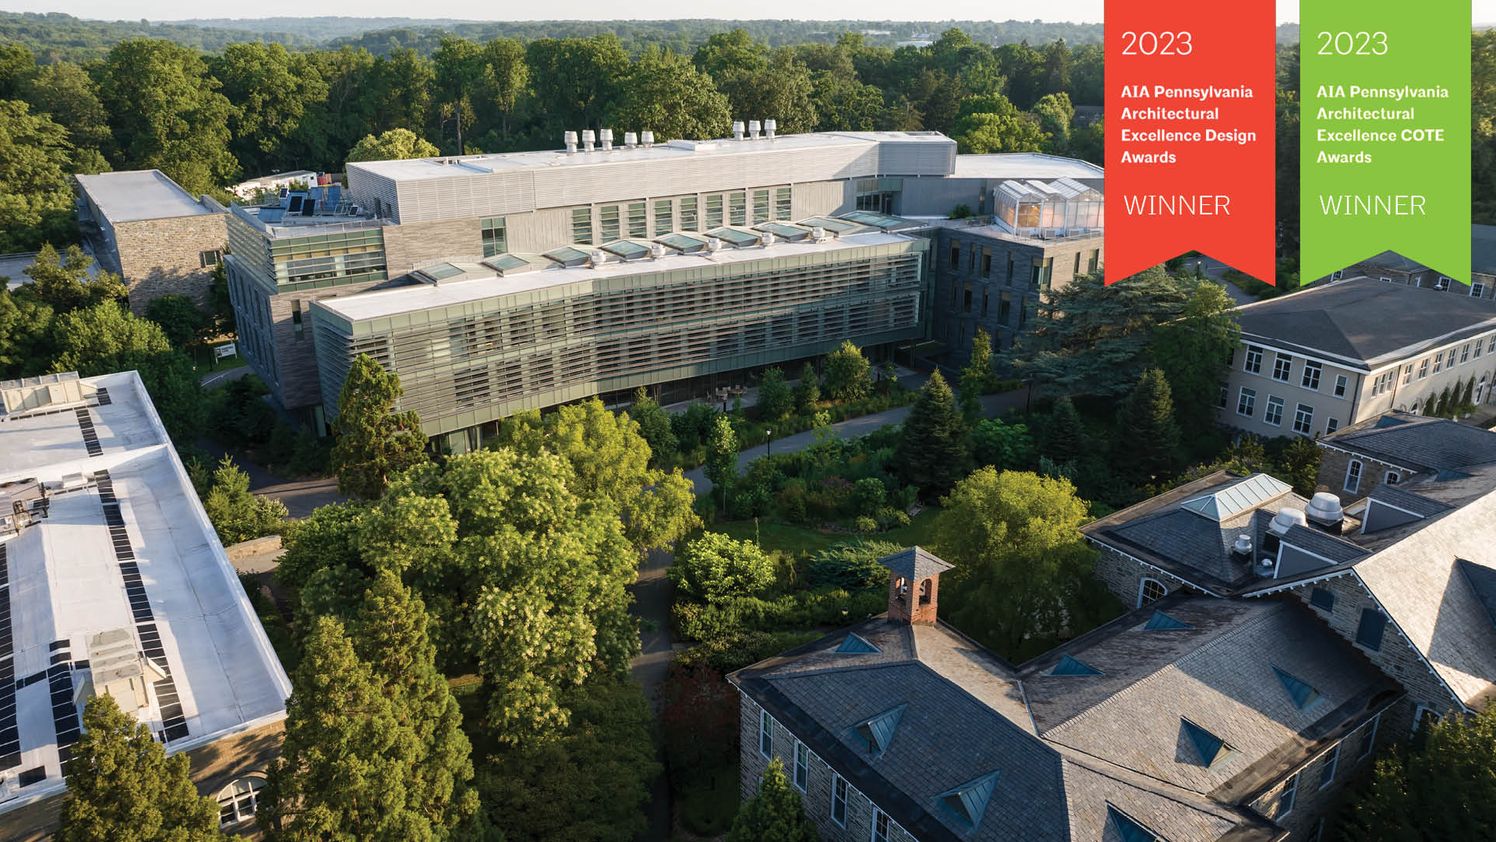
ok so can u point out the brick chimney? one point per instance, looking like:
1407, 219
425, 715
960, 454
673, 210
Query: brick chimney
914, 586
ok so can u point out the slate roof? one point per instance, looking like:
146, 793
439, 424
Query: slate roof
1064, 748
915, 563
1363, 322
1416, 442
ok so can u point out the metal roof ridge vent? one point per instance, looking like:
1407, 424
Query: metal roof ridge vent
770, 126
588, 140
753, 130
630, 140
737, 129
571, 142
596, 258
606, 136
647, 138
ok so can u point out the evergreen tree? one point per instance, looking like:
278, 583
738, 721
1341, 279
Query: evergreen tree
722, 457
848, 374
238, 515
1467, 398
1148, 435
774, 812
654, 426
122, 786
1299, 465
775, 400
347, 766
390, 635
808, 390
374, 442
1065, 434
1442, 405
66, 281
1193, 349
976, 377
932, 454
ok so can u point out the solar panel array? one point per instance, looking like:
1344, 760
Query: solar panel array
10, 733
90, 435
64, 709
173, 720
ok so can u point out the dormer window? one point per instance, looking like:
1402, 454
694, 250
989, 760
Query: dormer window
878, 732
1208, 746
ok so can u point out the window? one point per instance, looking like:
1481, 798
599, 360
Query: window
1369, 739
1303, 419
609, 223
296, 319
1423, 368
1369, 632
1465, 354
986, 262
1332, 425
1383, 382
1477, 289
1442, 284
1311, 375
955, 257
765, 733
1491, 348
1438, 361
688, 213
1225, 396
1332, 764
1287, 797
1423, 717
1353, 476
1094, 262
839, 799
1282, 365
495, 238
760, 206
1246, 401
238, 801
737, 207
1043, 271
1253, 362
1322, 599
966, 299
1340, 383
664, 217
638, 220
713, 211
1391, 478
581, 225
802, 766
1478, 348
782, 207
209, 258
1273, 414
1407, 374
1150, 590
880, 825
34, 775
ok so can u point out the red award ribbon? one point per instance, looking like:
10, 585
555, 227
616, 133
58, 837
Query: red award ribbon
1190, 92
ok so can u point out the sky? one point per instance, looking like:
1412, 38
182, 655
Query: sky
1085, 11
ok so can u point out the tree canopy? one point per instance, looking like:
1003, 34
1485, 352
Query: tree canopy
374, 440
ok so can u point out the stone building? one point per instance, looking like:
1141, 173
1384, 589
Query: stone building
1393, 448
1191, 718
1338, 353
154, 234
1391, 267
113, 581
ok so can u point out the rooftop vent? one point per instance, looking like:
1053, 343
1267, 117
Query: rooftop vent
1324, 512
630, 140
647, 138
1241, 548
818, 234
713, 245
47, 391
571, 142
118, 669
737, 129
769, 127
753, 130
606, 135
596, 258
767, 238
587, 140
1286, 518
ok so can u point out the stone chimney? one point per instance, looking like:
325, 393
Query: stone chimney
914, 586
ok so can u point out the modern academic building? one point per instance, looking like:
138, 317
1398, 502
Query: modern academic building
495, 283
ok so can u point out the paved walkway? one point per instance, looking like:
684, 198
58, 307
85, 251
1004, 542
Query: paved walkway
1216, 271
992, 406
653, 596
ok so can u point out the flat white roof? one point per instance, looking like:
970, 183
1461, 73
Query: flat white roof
1024, 165
479, 282
126, 546
416, 169
135, 195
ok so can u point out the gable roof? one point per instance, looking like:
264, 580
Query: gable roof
1416, 442
1363, 322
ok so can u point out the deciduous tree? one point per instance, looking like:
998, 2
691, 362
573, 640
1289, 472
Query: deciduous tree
775, 400
715, 568
35, 159
665, 93
392, 145
722, 457
67, 281
848, 374
654, 426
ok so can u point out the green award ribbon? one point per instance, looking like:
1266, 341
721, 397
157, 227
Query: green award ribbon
1384, 142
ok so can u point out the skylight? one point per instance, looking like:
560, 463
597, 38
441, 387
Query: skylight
734, 237
789, 233
969, 800
840, 226
1163, 622
1128, 828
682, 243
1070, 666
626, 249
1237, 498
1210, 747
879, 731
567, 256
856, 645
1302, 694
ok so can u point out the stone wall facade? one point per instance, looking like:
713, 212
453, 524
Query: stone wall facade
415, 244
1334, 468
1320, 782
1124, 576
165, 256
816, 797
213, 767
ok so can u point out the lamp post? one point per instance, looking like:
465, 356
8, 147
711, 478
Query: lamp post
769, 434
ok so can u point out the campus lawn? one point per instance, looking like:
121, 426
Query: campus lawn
801, 541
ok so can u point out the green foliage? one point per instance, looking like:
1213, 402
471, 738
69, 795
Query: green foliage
722, 457
122, 786
64, 283
698, 720
758, 80
932, 452
166, 112
977, 377
1004, 130
1147, 434
848, 373
1441, 789
1003, 446
654, 427
1467, 397
774, 812
36, 205
714, 568
25, 333
236, 514
796, 610
664, 91
775, 400
1023, 571
851, 566
588, 783
392, 145
807, 389
1299, 465
1193, 351
342, 776
1064, 435
374, 441
270, 90
179, 318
